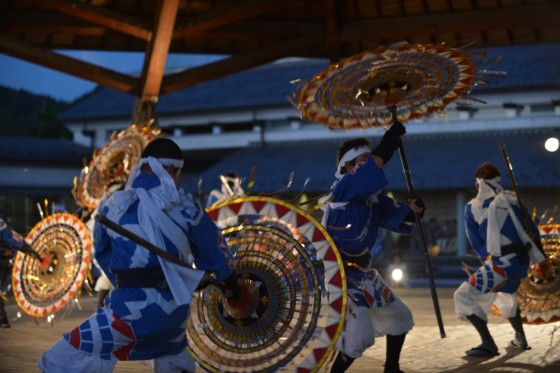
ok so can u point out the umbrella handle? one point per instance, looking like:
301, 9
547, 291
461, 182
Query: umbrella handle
427, 262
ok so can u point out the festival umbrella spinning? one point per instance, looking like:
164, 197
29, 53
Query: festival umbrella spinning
400, 83
286, 318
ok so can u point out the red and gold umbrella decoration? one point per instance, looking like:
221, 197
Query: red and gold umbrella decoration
361, 91
539, 292
293, 301
112, 164
64, 241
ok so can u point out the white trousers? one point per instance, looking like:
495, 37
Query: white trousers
63, 358
469, 301
363, 324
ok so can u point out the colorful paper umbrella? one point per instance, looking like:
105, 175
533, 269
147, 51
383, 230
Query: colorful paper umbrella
361, 91
63, 240
284, 319
112, 164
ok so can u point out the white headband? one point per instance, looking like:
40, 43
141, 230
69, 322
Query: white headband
177, 163
348, 156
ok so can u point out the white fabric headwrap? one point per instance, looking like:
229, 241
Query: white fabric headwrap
170, 193
488, 188
348, 156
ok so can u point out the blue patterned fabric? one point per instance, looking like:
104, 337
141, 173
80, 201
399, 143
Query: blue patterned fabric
503, 271
356, 211
146, 323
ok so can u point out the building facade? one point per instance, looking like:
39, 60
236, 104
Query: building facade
246, 121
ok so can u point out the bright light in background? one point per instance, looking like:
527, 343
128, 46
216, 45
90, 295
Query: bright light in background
397, 274
552, 144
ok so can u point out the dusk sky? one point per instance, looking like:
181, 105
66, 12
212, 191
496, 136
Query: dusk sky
19, 74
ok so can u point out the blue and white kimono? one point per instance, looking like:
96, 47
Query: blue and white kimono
145, 323
358, 207
493, 223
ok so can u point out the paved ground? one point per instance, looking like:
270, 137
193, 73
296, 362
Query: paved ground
424, 350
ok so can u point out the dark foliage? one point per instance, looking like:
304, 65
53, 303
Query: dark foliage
25, 114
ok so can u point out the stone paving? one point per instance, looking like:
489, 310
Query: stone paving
424, 350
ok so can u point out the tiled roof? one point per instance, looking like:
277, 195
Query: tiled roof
531, 66
442, 161
36, 150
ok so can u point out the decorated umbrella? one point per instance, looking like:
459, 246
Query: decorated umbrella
293, 301
539, 292
389, 84
43, 290
112, 164
410, 80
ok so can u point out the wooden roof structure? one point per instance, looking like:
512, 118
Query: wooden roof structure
252, 32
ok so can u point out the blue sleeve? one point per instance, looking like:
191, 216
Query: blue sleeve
475, 233
10, 236
360, 183
392, 215
206, 244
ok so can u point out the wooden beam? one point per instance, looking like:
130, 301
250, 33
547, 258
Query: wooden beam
80, 69
101, 16
331, 27
197, 75
158, 48
154, 62
227, 15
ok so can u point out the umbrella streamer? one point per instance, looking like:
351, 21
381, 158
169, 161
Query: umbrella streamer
414, 80
284, 319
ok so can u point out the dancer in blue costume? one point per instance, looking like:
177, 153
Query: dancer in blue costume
357, 209
230, 188
145, 315
493, 222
